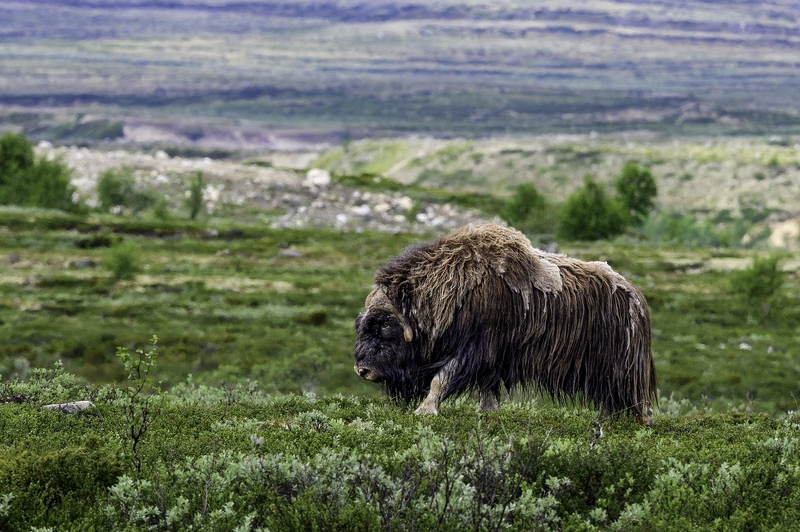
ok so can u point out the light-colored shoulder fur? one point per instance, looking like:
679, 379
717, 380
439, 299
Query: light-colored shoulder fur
458, 266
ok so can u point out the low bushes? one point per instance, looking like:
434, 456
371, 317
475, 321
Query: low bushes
237, 459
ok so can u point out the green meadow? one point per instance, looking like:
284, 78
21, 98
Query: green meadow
229, 304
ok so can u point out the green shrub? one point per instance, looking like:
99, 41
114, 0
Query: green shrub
123, 261
161, 210
636, 190
195, 200
759, 284
116, 189
62, 488
684, 229
30, 182
589, 214
528, 210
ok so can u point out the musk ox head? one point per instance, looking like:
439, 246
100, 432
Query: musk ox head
384, 349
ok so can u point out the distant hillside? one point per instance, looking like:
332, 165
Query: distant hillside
355, 69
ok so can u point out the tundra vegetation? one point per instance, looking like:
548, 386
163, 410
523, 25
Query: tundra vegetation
233, 457
248, 413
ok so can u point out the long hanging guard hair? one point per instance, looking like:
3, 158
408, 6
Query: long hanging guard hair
503, 312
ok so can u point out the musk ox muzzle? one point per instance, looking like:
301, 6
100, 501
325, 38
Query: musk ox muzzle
481, 309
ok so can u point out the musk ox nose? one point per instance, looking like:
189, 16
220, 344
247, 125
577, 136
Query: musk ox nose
366, 373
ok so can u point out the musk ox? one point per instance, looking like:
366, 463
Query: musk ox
481, 308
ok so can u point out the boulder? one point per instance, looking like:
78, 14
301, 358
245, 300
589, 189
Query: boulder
70, 408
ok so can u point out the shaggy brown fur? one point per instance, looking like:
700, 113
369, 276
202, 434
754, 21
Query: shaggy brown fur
481, 308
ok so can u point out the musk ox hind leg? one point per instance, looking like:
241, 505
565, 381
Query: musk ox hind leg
644, 413
489, 400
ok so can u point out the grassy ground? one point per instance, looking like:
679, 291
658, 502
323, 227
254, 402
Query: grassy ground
231, 303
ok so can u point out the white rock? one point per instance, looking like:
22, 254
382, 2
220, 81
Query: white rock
745, 346
382, 207
162, 155
361, 210
211, 193
317, 177
404, 202
70, 408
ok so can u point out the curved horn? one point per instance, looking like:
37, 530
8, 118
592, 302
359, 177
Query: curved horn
378, 300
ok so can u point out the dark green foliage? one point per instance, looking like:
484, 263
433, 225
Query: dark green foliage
759, 283
30, 182
195, 200
123, 261
589, 214
686, 230
16, 155
222, 458
528, 210
161, 210
117, 189
64, 488
636, 190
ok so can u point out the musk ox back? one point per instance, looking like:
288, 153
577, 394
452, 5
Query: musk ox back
481, 308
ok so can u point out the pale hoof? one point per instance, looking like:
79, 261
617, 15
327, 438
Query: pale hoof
488, 405
426, 410
646, 417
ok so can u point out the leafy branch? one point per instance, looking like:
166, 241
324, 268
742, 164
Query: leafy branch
141, 396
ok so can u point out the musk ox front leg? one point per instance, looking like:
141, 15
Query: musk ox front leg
438, 388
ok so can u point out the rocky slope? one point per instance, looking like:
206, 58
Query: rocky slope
281, 197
